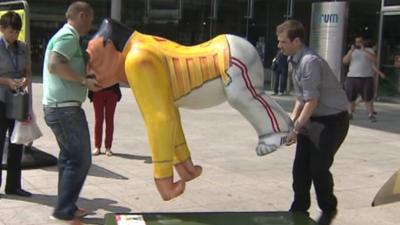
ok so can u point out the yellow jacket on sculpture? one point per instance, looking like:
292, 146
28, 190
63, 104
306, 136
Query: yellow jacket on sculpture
189, 66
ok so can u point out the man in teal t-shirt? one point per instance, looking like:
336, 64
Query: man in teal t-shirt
64, 43
64, 89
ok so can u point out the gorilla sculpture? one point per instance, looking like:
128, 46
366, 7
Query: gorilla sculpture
165, 76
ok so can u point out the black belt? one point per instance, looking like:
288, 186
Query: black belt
332, 116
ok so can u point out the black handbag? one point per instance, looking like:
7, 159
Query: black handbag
17, 105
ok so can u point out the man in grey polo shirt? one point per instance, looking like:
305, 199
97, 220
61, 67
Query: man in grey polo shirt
320, 121
64, 89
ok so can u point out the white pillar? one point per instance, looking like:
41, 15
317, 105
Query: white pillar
116, 10
327, 32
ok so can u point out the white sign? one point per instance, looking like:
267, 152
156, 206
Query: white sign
327, 33
130, 220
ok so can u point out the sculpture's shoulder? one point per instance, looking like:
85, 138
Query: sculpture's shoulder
153, 42
141, 44
171, 48
209, 47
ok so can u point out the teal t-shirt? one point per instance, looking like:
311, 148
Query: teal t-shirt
55, 89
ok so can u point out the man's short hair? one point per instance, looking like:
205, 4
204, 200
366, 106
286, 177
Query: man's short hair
11, 19
293, 28
359, 36
76, 7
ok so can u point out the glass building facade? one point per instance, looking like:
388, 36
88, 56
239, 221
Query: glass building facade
191, 22
389, 48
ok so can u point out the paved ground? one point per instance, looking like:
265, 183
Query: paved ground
234, 178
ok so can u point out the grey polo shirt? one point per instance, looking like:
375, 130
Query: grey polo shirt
314, 79
13, 60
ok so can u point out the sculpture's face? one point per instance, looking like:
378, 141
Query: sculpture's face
106, 63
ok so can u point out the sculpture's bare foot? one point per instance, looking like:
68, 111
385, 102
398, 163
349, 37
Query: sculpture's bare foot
187, 171
168, 189
270, 143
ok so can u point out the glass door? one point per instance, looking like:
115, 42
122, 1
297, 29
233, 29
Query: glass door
390, 55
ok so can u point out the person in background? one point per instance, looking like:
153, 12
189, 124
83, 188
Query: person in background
104, 103
15, 73
362, 63
260, 46
320, 122
280, 68
65, 85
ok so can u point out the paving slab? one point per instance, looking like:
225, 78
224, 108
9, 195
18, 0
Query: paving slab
234, 178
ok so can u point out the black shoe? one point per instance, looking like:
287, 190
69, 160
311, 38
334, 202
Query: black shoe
19, 192
372, 118
305, 213
327, 218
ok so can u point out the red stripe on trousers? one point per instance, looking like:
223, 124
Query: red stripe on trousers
249, 85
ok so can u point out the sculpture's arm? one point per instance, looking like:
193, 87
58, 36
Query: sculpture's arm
149, 79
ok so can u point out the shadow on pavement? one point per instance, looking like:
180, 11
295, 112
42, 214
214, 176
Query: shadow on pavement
146, 159
91, 205
96, 171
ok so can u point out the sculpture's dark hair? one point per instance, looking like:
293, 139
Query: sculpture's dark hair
114, 31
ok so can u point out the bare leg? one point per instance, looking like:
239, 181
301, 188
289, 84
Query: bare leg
370, 109
368, 106
350, 109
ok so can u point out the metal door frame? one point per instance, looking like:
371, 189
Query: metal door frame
385, 11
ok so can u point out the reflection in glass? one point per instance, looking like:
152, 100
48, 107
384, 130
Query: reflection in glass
391, 2
390, 50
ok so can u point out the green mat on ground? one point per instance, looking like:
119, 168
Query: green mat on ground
209, 218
